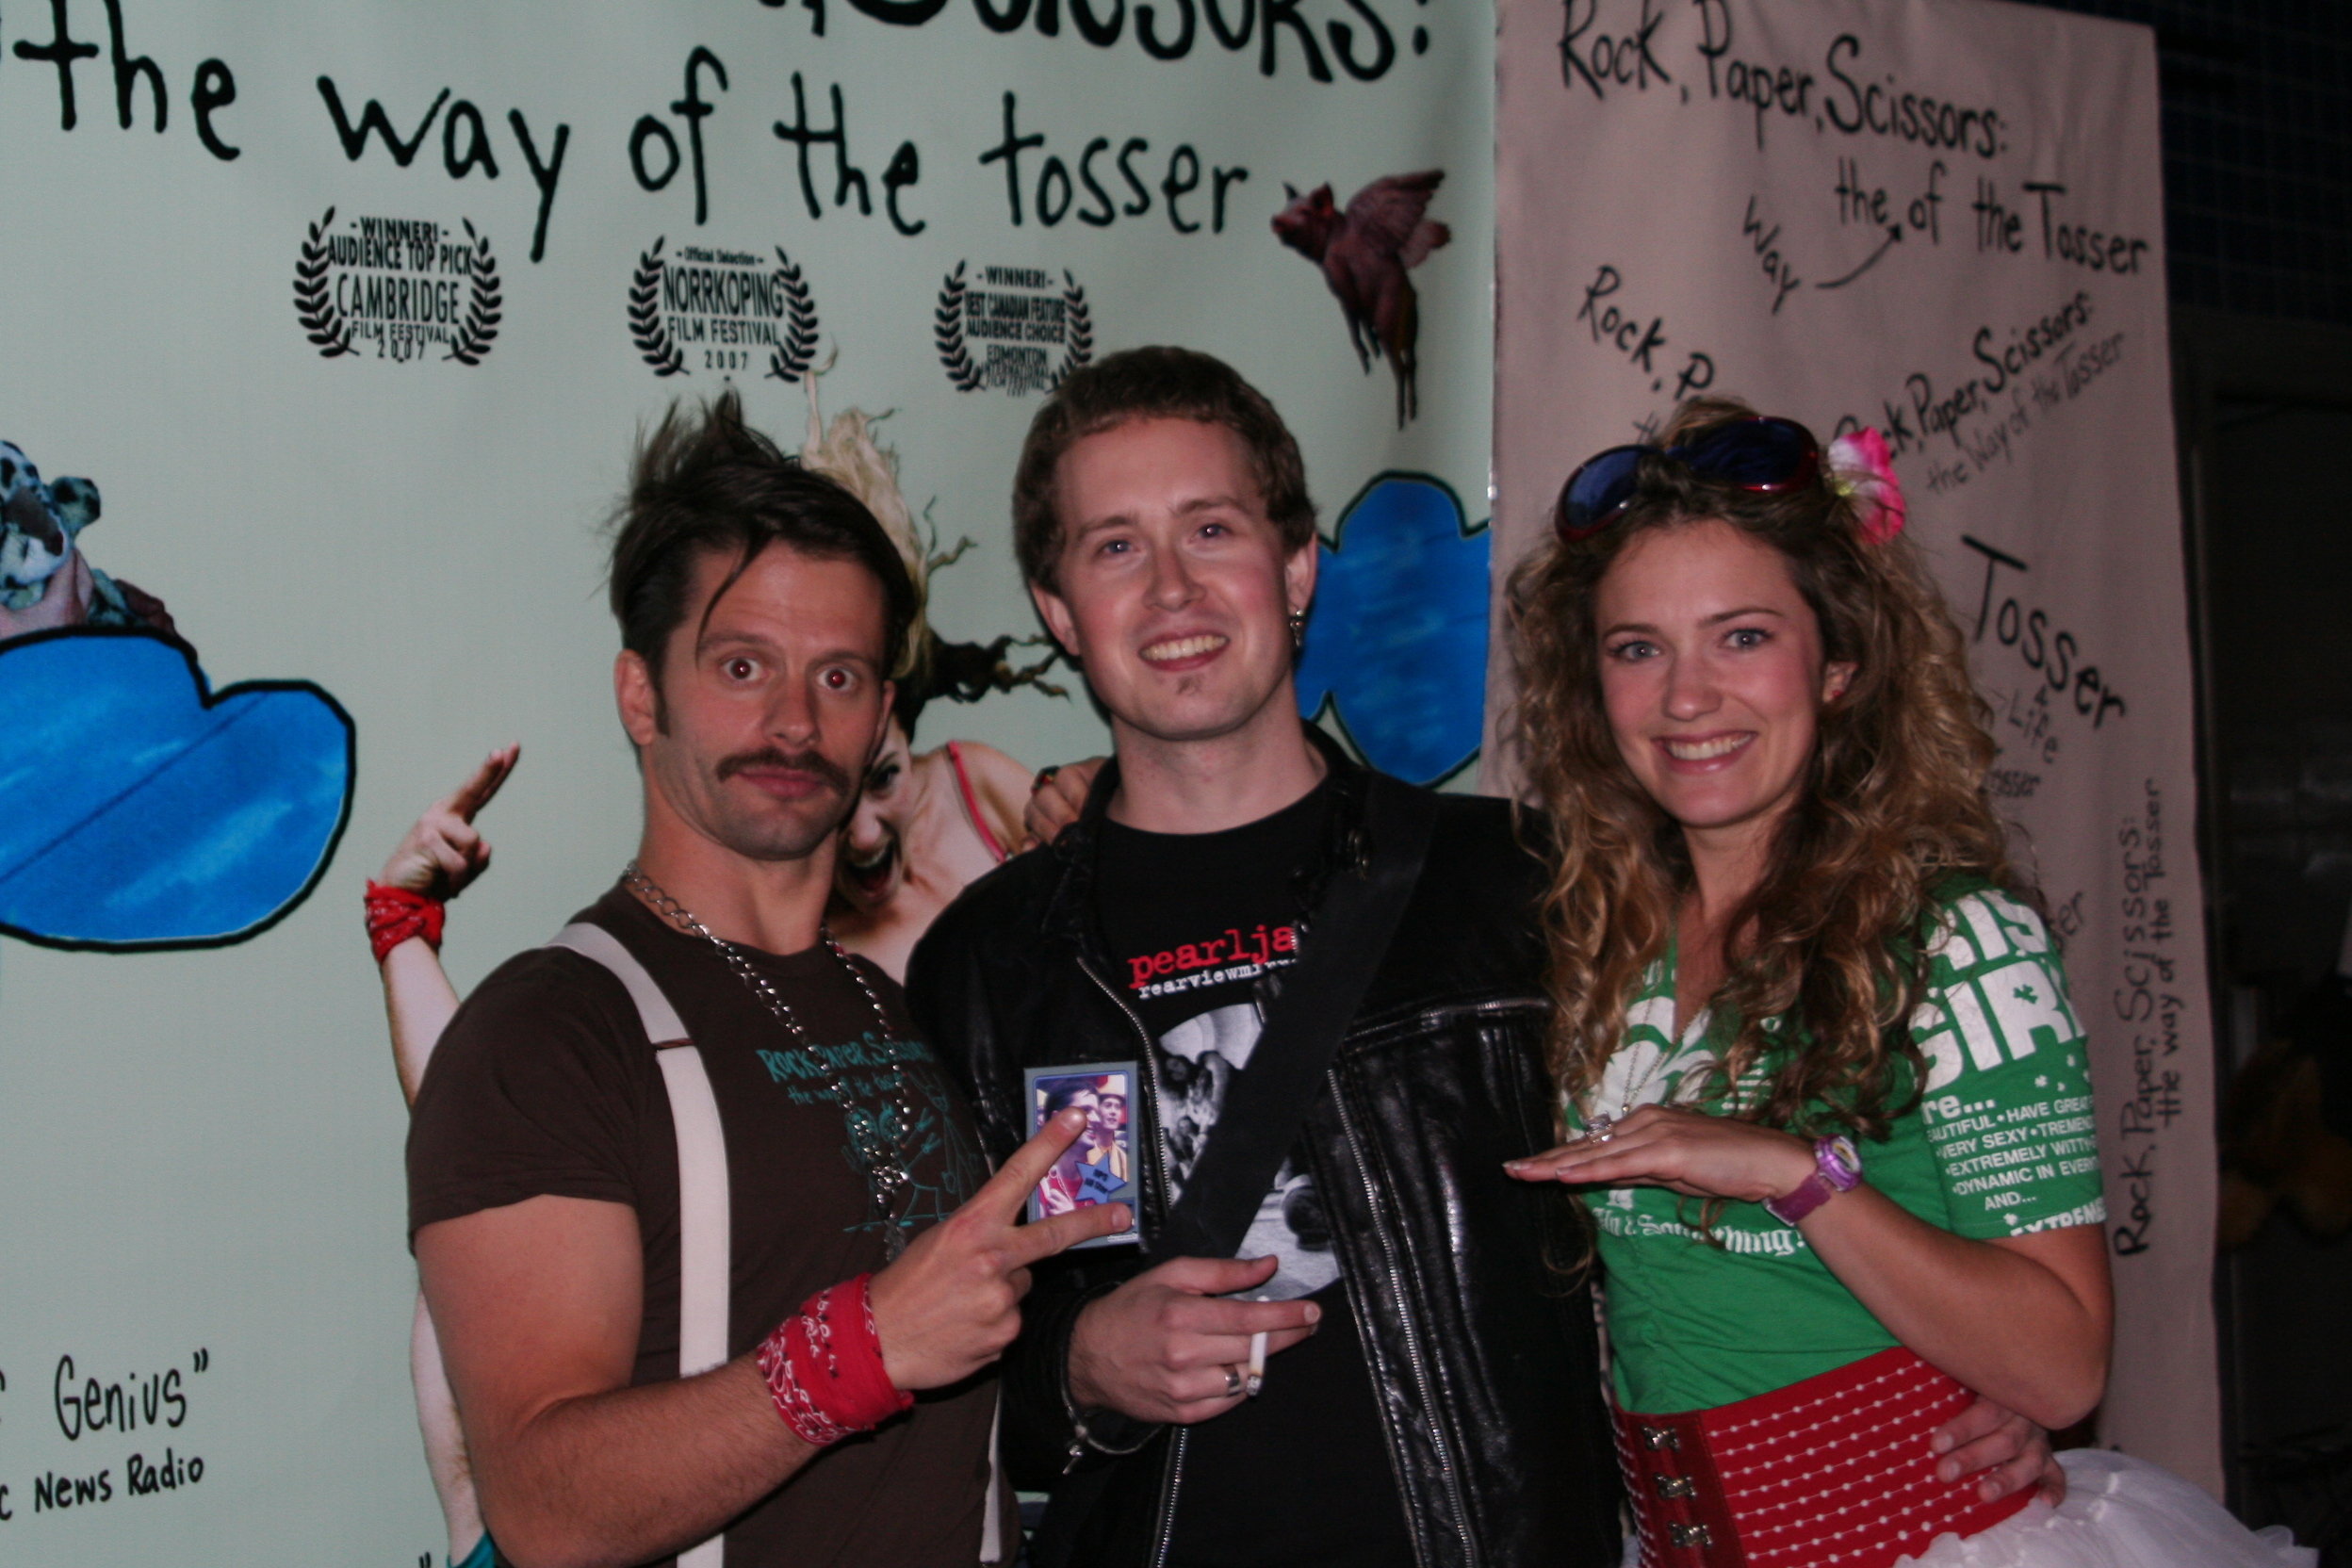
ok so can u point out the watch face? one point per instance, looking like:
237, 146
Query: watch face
1846, 1159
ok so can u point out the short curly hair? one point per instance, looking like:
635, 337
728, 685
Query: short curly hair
1157, 382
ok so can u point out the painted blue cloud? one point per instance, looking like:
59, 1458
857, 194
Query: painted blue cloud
1396, 644
143, 809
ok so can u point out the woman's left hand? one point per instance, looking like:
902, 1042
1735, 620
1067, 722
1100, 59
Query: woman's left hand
1684, 1151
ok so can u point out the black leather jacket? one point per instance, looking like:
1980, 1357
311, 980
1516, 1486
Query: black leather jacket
1479, 1338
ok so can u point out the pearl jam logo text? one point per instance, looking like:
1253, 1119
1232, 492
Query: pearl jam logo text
404, 288
706, 308
1232, 955
1027, 331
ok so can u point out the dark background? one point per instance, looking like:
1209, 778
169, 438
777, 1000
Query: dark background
2258, 196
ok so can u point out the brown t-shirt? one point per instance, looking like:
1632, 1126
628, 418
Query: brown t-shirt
545, 1082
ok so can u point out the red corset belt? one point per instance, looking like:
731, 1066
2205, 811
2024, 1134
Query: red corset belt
1834, 1470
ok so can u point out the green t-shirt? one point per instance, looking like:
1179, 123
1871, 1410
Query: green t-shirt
2001, 1144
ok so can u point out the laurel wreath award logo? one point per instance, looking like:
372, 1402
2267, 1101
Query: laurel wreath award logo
1018, 317
402, 287
707, 308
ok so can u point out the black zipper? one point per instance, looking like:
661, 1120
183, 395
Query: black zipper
1164, 1529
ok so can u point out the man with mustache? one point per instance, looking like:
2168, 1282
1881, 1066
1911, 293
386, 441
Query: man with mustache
690, 1198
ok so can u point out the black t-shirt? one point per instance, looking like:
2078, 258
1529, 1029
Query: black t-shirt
544, 1084
1300, 1475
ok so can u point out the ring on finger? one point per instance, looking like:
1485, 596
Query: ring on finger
1233, 1382
1600, 1129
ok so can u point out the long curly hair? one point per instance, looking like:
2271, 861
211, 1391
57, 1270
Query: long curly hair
1894, 803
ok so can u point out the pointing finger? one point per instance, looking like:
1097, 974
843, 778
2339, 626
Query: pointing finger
1004, 1192
482, 786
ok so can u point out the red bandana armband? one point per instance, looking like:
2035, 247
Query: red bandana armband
824, 1366
396, 914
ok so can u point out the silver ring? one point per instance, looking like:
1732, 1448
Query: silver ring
1233, 1382
1600, 1129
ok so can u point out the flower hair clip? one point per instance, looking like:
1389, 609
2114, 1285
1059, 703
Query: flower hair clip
1862, 469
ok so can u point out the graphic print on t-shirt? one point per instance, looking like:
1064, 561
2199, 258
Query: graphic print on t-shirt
2006, 1111
1199, 1059
1232, 957
544, 1085
1193, 923
943, 1167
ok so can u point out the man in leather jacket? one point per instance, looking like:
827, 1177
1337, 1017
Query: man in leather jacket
1431, 1392
1432, 1395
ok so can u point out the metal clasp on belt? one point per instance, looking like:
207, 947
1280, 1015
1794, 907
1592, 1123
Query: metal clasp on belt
1657, 1438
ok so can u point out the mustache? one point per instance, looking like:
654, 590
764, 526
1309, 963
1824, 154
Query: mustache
795, 761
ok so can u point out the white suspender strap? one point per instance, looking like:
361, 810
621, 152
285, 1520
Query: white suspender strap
994, 1545
704, 1275
663, 1024
702, 1212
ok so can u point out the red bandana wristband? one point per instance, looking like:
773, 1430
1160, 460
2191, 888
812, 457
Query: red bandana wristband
396, 914
824, 1366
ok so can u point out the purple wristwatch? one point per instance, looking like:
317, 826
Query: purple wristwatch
1837, 1167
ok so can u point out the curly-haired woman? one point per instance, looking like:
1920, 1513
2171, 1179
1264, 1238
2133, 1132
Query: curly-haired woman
1829, 1107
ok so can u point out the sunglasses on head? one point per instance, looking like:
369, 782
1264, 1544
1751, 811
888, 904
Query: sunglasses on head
1763, 456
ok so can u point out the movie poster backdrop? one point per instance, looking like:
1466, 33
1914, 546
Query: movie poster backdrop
1941, 220
329, 331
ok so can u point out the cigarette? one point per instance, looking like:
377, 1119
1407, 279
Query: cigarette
1257, 1365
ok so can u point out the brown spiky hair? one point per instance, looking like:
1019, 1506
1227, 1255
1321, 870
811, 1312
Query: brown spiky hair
704, 480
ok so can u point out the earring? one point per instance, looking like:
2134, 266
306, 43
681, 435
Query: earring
1297, 631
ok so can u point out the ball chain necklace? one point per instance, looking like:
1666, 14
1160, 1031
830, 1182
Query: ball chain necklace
1599, 1125
890, 1185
